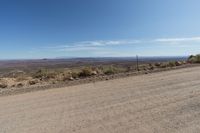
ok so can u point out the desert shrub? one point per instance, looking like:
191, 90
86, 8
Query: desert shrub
51, 75
13, 85
110, 70
45, 74
33, 82
15, 74
179, 63
151, 66
85, 72
64, 76
143, 67
40, 73
190, 57
99, 70
74, 74
129, 68
163, 65
194, 59
21, 77
3, 83
172, 64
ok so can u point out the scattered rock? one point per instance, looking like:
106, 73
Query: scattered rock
94, 73
145, 69
178, 63
12, 85
184, 62
20, 85
54, 82
151, 68
157, 64
77, 78
71, 78
3, 85
33, 82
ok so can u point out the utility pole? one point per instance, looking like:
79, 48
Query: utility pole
137, 60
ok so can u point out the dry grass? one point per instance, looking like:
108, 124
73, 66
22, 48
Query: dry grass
85, 72
54, 75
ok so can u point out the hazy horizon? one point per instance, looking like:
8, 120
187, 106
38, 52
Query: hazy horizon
98, 57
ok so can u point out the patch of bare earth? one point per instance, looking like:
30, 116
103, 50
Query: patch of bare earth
162, 102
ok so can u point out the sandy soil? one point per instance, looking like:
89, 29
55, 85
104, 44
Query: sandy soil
163, 102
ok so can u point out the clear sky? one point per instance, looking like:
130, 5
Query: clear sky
95, 28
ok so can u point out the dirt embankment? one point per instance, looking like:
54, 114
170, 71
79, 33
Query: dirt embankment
159, 102
16, 79
28, 84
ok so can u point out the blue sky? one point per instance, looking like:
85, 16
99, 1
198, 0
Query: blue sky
98, 28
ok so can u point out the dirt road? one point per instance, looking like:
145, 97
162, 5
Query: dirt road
164, 102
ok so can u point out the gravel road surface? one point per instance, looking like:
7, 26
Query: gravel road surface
164, 102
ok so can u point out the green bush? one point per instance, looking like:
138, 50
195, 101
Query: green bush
190, 57
194, 59
110, 70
